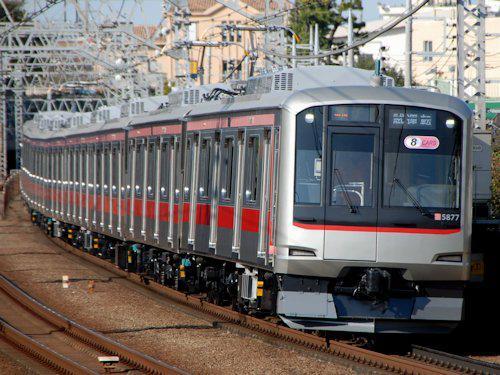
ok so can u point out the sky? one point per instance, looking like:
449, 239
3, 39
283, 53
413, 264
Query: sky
149, 11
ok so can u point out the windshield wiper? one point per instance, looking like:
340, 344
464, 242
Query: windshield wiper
413, 200
352, 208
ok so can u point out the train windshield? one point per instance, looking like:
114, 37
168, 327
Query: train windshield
422, 149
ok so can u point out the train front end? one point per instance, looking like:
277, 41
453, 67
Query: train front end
374, 210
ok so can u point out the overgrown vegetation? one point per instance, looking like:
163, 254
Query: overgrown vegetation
367, 62
16, 10
328, 14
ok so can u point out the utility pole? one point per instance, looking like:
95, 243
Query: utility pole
350, 39
316, 42
409, 46
471, 75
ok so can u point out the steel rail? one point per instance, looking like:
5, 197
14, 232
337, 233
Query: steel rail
396, 364
453, 361
94, 339
41, 352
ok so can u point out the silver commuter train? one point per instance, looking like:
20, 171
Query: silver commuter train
315, 195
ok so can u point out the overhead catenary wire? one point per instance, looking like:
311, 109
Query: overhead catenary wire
33, 15
339, 51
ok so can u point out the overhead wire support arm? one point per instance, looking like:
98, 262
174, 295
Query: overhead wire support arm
357, 44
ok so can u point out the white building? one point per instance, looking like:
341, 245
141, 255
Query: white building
434, 44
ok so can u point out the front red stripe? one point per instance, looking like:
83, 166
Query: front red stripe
376, 229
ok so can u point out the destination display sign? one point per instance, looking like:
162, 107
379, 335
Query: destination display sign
424, 119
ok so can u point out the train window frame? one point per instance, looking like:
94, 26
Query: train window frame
228, 169
139, 168
107, 165
152, 169
164, 168
401, 186
114, 175
375, 121
98, 169
253, 166
188, 167
205, 168
319, 111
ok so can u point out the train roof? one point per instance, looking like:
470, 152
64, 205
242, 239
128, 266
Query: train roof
293, 89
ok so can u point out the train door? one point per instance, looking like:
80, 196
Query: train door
57, 179
64, 183
91, 182
128, 191
150, 191
96, 219
256, 151
106, 187
187, 194
228, 166
351, 194
114, 184
200, 229
60, 182
120, 186
175, 184
69, 184
164, 171
84, 185
138, 187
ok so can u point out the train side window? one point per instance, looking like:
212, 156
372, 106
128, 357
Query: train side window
308, 157
98, 167
107, 166
114, 177
252, 163
187, 169
85, 166
91, 167
150, 188
164, 171
205, 169
139, 169
69, 164
76, 161
227, 168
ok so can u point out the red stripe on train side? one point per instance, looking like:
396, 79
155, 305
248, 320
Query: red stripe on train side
164, 211
114, 206
225, 217
150, 209
176, 213
185, 212
137, 207
203, 214
250, 220
98, 204
376, 229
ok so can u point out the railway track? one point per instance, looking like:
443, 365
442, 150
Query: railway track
453, 362
360, 356
62, 344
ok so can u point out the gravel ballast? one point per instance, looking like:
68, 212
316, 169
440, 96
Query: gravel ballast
133, 317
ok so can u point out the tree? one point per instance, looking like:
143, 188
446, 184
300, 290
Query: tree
366, 62
15, 8
328, 14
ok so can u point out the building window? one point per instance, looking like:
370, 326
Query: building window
224, 32
228, 66
427, 50
193, 31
